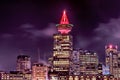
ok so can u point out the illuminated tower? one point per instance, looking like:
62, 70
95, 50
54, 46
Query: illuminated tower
64, 27
62, 48
112, 59
23, 63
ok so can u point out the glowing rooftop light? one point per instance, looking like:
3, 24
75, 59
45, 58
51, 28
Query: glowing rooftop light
64, 19
64, 12
64, 27
110, 46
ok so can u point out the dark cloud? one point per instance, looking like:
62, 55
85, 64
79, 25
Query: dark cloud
37, 33
27, 26
105, 33
6, 36
109, 30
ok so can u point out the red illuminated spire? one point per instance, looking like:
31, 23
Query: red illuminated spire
64, 19
64, 27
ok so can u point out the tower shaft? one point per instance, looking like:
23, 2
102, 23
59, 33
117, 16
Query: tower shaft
62, 48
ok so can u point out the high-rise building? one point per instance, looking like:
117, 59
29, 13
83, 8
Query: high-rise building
88, 62
23, 63
62, 47
75, 63
39, 71
112, 59
84, 62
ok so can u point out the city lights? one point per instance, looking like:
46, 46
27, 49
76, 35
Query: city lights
67, 63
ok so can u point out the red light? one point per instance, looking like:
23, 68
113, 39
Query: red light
64, 19
64, 27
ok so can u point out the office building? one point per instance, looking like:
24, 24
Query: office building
88, 62
23, 63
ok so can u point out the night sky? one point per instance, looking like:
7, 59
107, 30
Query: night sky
26, 26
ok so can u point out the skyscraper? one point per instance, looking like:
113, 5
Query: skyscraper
62, 48
23, 63
112, 59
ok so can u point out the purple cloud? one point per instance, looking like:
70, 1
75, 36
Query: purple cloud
35, 33
6, 35
110, 29
105, 33
27, 26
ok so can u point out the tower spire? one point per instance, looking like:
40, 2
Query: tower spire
64, 27
64, 19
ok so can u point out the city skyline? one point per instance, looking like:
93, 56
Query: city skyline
27, 26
